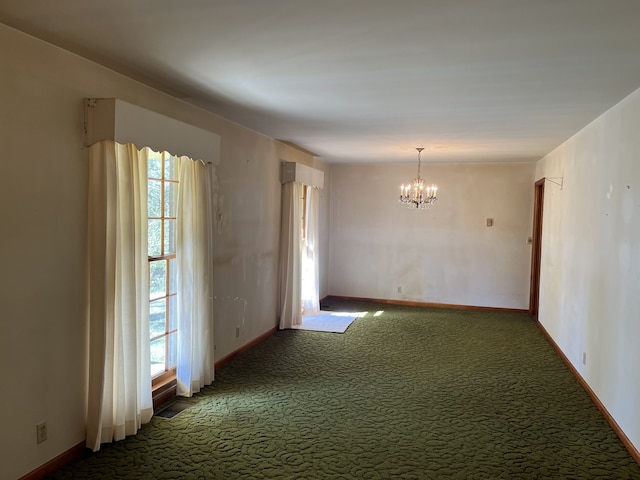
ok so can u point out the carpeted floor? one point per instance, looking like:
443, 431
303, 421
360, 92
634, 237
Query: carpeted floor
412, 393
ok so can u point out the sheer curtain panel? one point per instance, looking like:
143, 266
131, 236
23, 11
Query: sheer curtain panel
310, 260
195, 359
119, 397
290, 255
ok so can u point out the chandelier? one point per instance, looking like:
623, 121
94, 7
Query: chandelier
416, 194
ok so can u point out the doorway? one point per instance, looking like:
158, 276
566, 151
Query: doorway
536, 247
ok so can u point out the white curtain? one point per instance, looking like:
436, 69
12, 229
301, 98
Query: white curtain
195, 360
310, 260
290, 255
119, 397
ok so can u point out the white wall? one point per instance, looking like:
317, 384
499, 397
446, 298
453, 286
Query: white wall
443, 255
590, 272
43, 196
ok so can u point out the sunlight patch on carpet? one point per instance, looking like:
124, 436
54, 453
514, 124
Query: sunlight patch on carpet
332, 322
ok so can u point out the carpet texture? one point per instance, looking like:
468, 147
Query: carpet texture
332, 322
412, 393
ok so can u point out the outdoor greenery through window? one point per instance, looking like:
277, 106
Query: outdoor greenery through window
162, 185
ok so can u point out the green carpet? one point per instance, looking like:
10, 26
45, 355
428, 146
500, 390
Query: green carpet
411, 393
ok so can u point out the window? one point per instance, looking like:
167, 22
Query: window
162, 183
309, 280
305, 213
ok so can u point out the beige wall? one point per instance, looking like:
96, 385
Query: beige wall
590, 272
43, 192
443, 255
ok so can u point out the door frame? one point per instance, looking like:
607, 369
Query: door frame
536, 247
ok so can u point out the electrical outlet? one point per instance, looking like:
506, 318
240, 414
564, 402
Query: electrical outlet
41, 432
399, 289
584, 358
237, 332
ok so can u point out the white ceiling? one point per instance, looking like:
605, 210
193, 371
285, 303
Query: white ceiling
369, 80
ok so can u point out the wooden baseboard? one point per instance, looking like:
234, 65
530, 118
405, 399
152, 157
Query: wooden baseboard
245, 347
412, 303
54, 464
633, 451
161, 395
166, 392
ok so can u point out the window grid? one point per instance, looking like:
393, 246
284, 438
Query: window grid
161, 300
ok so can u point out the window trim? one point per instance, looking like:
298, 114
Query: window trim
169, 372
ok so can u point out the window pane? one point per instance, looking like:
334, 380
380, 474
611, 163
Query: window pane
173, 350
173, 313
158, 356
155, 238
157, 317
154, 198
170, 167
157, 279
154, 167
169, 237
170, 199
172, 276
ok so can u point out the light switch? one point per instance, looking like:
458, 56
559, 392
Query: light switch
489, 222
